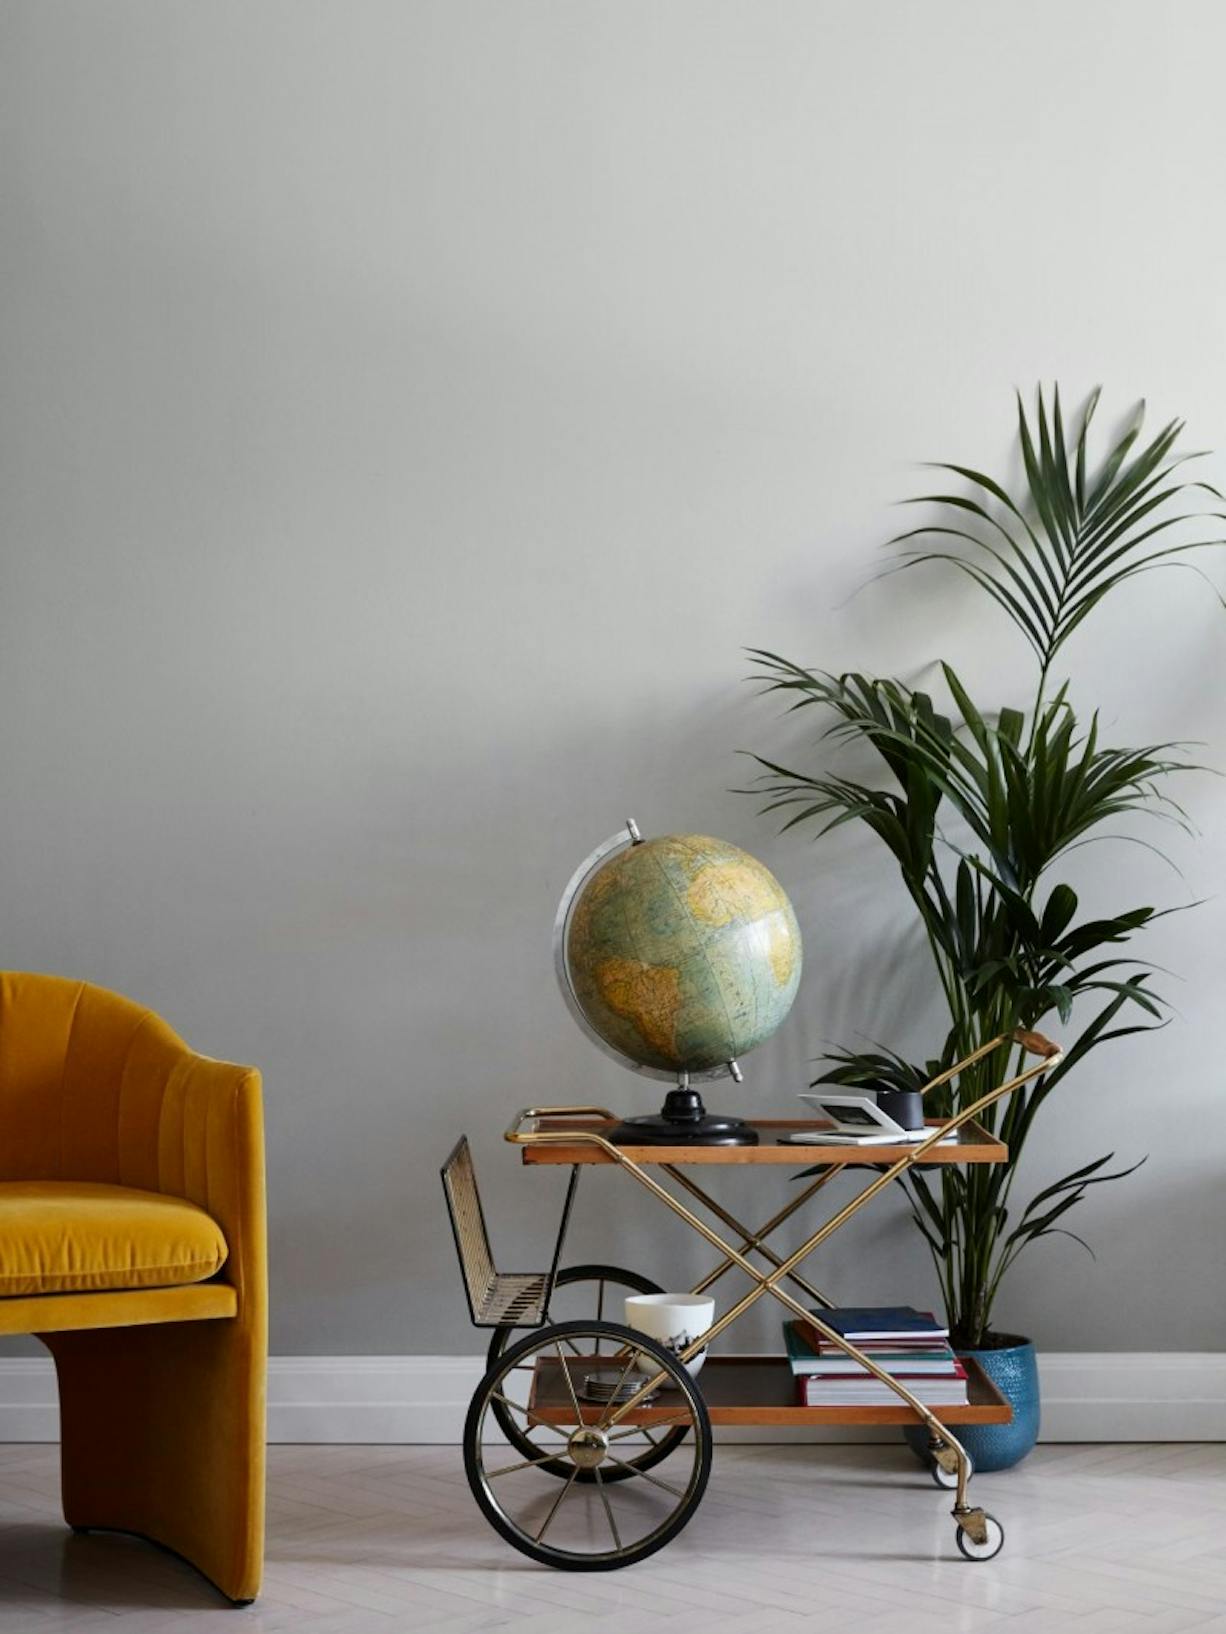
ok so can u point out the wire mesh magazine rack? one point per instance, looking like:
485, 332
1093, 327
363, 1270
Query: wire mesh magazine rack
587, 1444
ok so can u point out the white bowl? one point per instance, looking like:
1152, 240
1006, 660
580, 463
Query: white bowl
674, 1320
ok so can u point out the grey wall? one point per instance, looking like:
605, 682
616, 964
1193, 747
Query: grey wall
409, 411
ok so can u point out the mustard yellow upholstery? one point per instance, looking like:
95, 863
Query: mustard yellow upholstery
153, 1157
67, 1236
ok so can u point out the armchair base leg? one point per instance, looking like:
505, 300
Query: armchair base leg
162, 1436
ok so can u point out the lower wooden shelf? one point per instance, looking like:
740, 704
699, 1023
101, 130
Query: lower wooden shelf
751, 1390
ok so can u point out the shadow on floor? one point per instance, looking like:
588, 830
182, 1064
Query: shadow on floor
50, 1568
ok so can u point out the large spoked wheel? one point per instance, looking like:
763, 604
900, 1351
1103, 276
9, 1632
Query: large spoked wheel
580, 1292
623, 1512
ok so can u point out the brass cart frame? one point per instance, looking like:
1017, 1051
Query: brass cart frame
577, 1135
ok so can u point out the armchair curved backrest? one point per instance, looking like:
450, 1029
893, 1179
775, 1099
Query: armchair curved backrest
96, 1087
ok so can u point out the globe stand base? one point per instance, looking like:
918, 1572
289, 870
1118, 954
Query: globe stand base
684, 1121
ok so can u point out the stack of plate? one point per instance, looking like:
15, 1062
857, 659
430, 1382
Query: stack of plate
612, 1385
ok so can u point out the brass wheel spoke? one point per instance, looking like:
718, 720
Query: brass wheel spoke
531, 1420
616, 1391
570, 1383
527, 1463
657, 1424
608, 1509
644, 1475
506, 1401
557, 1503
573, 1348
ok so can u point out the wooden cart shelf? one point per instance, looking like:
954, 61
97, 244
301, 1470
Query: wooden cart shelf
973, 1145
750, 1390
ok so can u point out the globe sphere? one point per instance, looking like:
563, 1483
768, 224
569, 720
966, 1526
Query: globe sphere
682, 953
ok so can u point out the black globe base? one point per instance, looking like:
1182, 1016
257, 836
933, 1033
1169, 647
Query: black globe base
684, 1121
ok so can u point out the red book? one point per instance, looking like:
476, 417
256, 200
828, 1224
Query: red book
819, 1342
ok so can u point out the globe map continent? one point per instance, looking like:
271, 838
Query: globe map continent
683, 953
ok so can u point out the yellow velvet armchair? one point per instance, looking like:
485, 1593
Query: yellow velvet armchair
132, 1243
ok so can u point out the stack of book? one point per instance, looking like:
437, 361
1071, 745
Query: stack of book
909, 1344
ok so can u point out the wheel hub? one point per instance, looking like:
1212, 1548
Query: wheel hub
588, 1446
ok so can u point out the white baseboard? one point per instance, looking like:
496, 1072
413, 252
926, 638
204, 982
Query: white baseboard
1133, 1396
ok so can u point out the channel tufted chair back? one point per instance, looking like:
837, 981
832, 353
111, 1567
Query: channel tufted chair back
111, 1129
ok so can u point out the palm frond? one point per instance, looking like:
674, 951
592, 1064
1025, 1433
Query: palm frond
1049, 556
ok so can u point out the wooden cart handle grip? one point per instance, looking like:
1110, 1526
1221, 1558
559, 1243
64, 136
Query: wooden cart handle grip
1035, 1043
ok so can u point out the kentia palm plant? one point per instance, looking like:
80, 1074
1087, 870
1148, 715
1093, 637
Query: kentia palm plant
981, 807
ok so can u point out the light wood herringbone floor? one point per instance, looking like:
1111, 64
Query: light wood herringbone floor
386, 1540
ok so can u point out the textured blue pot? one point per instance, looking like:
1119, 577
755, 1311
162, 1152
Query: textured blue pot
1014, 1372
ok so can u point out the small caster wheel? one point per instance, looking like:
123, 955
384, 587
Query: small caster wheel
947, 1479
993, 1543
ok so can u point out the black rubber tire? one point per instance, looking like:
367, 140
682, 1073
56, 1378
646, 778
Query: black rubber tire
503, 1338
561, 1559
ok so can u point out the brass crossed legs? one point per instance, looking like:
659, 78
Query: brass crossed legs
769, 1282
756, 1239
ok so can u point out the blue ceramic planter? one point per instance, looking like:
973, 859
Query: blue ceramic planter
1014, 1372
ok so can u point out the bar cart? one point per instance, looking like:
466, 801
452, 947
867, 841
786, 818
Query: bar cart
587, 1444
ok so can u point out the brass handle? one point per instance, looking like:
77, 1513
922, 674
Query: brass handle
518, 1135
1035, 1043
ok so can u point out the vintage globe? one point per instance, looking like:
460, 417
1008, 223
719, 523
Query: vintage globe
678, 954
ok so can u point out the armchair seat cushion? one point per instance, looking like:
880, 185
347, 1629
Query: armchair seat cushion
64, 1236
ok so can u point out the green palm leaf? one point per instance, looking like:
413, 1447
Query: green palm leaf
1048, 557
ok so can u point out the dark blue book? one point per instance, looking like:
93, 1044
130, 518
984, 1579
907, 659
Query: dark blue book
856, 1322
